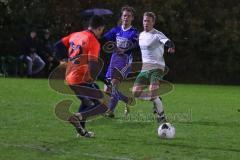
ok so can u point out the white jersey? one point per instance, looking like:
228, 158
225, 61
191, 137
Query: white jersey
152, 48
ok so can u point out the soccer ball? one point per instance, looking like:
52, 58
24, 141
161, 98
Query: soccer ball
166, 130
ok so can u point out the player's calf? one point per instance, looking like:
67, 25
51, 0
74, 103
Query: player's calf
158, 110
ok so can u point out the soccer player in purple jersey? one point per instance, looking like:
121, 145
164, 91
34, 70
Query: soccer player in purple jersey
126, 39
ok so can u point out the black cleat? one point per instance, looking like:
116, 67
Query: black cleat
161, 118
75, 121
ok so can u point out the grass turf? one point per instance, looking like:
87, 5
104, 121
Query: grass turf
206, 118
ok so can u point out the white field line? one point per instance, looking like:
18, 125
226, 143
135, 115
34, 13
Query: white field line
106, 157
50, 149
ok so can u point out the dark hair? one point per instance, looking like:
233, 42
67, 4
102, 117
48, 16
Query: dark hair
46, 31
96, 21
129, 9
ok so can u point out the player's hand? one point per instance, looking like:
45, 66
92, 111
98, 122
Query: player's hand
171, 50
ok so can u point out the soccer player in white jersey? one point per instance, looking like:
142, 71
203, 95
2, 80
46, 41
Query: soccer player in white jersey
152, 43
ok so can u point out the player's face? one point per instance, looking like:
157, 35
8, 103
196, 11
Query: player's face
33, 34
127, 18
148, 23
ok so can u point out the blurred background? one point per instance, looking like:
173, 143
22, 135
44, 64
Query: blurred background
206, 33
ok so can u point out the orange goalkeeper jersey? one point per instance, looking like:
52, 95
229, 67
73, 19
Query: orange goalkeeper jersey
82, 47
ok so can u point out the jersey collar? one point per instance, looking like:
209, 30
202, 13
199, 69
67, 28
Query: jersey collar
126, 28
151, 31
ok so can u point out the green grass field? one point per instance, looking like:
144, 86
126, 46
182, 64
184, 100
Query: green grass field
206, 118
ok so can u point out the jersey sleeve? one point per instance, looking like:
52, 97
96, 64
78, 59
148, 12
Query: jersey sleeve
65, 41
61, 48
110, 35
162, 38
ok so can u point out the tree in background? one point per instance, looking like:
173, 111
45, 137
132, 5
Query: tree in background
206, 33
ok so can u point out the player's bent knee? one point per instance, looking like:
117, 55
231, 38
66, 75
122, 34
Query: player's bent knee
115, 81
153, 87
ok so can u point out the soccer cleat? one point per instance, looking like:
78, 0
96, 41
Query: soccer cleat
109, 114
161, 118
87, 134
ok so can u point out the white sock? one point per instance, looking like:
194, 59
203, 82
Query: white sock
158, 104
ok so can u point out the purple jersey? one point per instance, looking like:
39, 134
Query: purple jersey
126, 39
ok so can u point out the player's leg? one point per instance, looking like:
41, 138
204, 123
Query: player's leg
155, 77
118, 95
90, 106
117, 76
114, 98
75, 120
95, 109
141, 83
29, 62
78, 120
115, 79
124, 94
86, 104
137, 90
158, 108
38, 63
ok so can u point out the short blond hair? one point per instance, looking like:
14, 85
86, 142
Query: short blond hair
150, 14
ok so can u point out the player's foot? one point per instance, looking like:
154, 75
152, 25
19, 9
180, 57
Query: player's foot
75, 121
87, 134
131, 102
109, 114
161, 118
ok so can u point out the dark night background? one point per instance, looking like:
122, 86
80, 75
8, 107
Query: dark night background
206, 32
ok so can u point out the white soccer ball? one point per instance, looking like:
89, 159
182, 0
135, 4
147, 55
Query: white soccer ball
166, 130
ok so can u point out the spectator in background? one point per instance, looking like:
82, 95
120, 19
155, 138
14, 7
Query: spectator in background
29, 51
47, 52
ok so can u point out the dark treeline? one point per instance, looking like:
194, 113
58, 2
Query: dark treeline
206, 32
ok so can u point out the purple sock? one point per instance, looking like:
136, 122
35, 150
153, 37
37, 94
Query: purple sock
122, 97
113, 102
